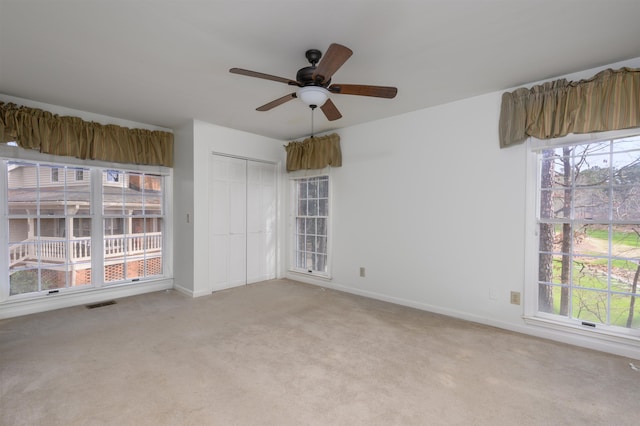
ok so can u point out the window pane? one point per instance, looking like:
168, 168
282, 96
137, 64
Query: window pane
312, 208
590, 272
152, 204
312, 189
81, 249
323, 188
590, 305
82, 227
591, 240
625, 311
300, 260
321, 226
546, 298
554, 204
320, 262
78, 202
626, 203
310, 226
323, 207
310, 244
302, 189
23, 281
302, 207
625, 240
50, 199
591, 204
322, 244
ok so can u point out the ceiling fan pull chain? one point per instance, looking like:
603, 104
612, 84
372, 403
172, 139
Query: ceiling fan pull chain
313, 108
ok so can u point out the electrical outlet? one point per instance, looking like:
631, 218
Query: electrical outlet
362, 271
515, 297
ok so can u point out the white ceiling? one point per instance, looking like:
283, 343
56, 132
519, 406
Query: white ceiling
164, 62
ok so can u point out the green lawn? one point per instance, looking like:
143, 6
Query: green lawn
630, 238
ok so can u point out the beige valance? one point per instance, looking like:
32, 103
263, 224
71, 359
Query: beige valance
50, 133
316, 152
608, 101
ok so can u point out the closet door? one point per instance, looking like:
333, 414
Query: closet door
261, 220
228, 208
243, 218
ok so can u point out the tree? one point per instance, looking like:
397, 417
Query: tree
545, 266
567, 235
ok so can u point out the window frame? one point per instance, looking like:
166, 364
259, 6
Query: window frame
531, 315
9, 152
294, 178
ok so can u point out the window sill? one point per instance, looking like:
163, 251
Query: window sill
306, 275
602, 339
45, 302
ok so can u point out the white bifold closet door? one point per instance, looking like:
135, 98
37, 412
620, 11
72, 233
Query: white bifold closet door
243, 218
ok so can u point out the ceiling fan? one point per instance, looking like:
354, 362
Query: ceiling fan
314, 82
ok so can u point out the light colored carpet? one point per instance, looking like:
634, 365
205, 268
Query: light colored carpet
285, 353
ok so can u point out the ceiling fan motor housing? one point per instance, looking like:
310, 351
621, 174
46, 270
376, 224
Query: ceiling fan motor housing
305, 77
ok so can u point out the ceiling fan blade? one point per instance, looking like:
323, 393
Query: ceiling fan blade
249, 73
275, 103
362, 90
333, 59
330, 111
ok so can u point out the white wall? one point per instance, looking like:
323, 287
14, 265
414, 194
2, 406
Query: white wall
435, 212
205, 139
183, 183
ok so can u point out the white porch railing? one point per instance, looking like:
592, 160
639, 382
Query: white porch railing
79, 249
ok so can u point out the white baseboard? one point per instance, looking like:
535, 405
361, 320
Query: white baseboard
50, 302
629, 348
189, 292
183, 290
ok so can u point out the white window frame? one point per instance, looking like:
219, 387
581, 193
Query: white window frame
293, 177
574, 327
11, 152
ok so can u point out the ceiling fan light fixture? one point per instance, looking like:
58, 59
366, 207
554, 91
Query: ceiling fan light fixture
313, 95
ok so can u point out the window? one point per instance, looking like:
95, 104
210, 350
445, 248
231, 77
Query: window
133, 221
53, 244
310, 254
588, 234
43, 252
